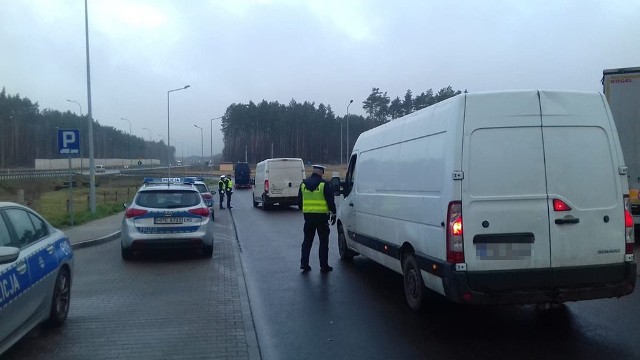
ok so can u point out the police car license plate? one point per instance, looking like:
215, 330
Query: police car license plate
167, 220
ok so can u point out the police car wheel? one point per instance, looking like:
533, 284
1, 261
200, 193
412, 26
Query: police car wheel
127, 254
207, 251
414, 289
61, 298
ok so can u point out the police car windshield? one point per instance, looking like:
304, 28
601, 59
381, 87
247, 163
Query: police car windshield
167, 199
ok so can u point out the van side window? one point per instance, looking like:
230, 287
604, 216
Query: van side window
351, 175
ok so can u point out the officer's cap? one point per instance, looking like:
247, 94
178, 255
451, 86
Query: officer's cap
221, 176
318, 167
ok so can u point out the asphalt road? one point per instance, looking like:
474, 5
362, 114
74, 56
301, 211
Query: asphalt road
164, 305
358, 311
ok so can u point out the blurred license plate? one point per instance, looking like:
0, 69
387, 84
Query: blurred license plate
167, 220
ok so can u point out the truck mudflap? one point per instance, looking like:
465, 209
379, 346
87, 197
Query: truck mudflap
620, 282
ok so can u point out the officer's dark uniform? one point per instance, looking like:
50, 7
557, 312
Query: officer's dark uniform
222, 187
229, 190
316, 200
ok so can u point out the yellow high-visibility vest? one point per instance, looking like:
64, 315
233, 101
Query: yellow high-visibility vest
313, 202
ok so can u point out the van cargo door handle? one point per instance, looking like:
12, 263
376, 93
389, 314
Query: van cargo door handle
350, 204
568, 220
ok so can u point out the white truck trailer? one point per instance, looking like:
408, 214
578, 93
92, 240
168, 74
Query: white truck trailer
622, 90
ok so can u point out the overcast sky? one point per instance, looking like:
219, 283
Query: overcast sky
331, 51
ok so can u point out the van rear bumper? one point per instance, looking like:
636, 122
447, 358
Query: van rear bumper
540, 286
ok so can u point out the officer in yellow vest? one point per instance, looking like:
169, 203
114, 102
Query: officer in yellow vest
222, 188
229, 190
316, 202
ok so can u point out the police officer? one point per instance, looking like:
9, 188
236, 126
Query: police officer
316, 200
222, 187
229, 190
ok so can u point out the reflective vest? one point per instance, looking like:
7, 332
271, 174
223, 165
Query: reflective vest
313, 201
229, 184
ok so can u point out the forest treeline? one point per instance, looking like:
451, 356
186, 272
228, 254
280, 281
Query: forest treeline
313, 133
252, 131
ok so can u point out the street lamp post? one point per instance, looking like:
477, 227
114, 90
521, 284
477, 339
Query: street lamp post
211, 150
128, 140
348, 151
79, 106
169, 129
144, 128
201, 148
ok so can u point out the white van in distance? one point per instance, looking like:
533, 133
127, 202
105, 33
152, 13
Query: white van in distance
277, 182
494, 198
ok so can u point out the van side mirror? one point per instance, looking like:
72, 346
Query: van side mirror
335, 185
125, 205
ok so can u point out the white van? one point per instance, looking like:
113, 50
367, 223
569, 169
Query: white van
277, 182
507, 197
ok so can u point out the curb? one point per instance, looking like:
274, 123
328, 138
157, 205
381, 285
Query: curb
253, 346
94, 242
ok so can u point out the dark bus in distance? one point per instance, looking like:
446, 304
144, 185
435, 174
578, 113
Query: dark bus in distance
242, 175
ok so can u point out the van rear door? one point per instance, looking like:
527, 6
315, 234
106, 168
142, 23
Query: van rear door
504, 197
285, 177
582, 172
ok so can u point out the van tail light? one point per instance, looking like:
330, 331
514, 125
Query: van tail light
202, 211
628, 226
133, 212
266, 186
559, 205
455, 244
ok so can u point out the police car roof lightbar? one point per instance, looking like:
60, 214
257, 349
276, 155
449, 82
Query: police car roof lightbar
150, 180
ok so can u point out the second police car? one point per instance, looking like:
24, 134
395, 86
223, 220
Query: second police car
36, 265
167, 213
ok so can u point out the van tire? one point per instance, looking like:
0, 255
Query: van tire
414, 289
265, 206
253, 199
343, 250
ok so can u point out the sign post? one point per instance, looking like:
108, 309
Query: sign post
69, 143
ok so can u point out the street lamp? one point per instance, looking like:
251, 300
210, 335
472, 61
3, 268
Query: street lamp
201, 148
80, 106
144, 128
348, 152
216, 118
128, 140
169, 129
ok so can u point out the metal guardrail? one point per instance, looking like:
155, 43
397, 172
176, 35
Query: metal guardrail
9, 175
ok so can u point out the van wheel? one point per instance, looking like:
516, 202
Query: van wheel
255, 203
343, 250
265, 206
61, 299
414, 289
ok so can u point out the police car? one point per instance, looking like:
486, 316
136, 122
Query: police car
207, 195
36, 265
167, 213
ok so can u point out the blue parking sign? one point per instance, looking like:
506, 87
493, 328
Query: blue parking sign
68, 141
